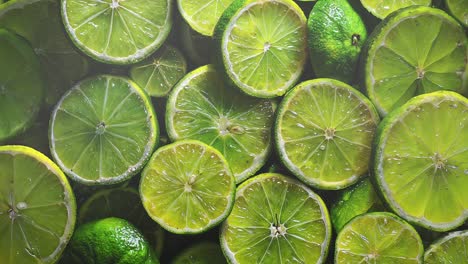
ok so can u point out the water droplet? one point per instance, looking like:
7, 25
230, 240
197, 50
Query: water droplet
322, 147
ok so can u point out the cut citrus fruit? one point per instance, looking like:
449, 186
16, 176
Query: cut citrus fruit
197, 47
202, 16
39, 22
358, 199
187, 187
382, 8
459, 9
201, 253
21, 85
158, 74
336, 35
202, 107
324, 131
413, 51
452, 248
421, 160
263, 45
380, 238
117, 31
37, 207
103, 130
123, 203
276, 219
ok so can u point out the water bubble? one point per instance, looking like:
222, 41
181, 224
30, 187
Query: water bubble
322, 147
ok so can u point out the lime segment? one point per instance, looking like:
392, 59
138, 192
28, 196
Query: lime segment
103, 130
453, 248
378, 238
187, 187
37, 207
421, 160
202, 107
117, 31
21, 85
413, 51
263, 45
202, 16
276, 219
382, 8
324, 131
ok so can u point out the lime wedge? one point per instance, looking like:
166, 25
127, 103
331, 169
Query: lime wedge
125, 203
324, 131
103, 130
187, 187
452, 248
201, 253
358, 199
276, 219
201, 15
202, 107
378, 238
382, 8
159, 73
459, 9
37, 207
421, 160
21, 85
263, 45
413, 51
117, 31
39, 22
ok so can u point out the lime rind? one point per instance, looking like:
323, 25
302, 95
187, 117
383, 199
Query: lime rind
432, 256
383, 131
68, 195
148, 149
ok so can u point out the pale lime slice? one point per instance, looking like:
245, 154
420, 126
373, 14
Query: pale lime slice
452, 248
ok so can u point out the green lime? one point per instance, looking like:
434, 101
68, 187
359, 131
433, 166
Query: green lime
202, 107
21, 85
37, 207
187, 187
109, 241
276, 219
324, 131
413, 51
421, 160
452, 248
336, 35
159, 73
201, 253
39, 22
201, 15
197, 47
358, 199
263, 45
382, 8
117, 31
459, 9
380, 238
125, 203
103, 130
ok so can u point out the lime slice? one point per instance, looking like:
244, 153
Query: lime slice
123, 203
201, 253
421, 160
453, 248
263, 45
415, 50
202, 107
459, 9
276, 219
197, 47
324, 131
382, 8
21, 85
187, 187
39, 22
201, 15
103, 130
37, 207
378, 238
117, 31
159, 73
358, 199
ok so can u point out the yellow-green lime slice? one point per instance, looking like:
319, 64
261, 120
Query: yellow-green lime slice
459, 9
37, 207
382, 8
452, 248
